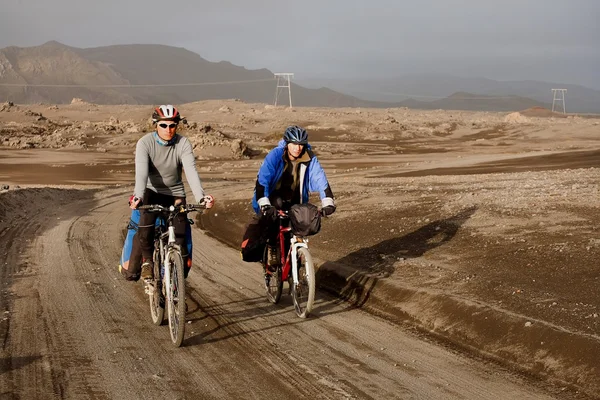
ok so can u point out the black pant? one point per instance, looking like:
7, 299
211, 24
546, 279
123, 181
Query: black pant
148, 219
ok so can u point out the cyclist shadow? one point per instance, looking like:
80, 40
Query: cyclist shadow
226, 320
13, 363
354, 276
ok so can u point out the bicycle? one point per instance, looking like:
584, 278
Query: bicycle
294, 257
168, 285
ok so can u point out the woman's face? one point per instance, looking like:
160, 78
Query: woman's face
294, 150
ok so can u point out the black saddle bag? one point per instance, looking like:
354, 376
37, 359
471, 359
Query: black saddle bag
305, 219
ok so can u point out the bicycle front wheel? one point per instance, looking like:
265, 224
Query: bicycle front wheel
157, 299
176, 298
303, 292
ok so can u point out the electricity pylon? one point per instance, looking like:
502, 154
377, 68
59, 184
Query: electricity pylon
559, 96
284, 81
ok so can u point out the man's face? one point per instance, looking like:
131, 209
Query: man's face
166, 129
294, 150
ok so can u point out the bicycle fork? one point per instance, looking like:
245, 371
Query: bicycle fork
167, 263
295, 246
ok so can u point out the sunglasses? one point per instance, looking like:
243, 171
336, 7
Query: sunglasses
170, 126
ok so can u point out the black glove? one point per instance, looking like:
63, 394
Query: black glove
269, 212
327, 210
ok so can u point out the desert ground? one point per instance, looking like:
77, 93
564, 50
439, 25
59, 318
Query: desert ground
474, 235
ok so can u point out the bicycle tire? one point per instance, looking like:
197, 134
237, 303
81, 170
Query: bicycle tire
274, 286
303, 293
156, 299
273, 282
176, 299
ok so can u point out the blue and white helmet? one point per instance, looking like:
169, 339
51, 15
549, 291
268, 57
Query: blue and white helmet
295, 134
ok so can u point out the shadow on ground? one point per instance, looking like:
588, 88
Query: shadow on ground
354, 276
13, 363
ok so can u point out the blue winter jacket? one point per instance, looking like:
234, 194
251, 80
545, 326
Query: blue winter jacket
312, 176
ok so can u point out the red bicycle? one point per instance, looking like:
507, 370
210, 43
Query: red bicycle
295, 266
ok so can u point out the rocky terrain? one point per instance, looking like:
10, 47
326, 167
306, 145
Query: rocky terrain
479, 228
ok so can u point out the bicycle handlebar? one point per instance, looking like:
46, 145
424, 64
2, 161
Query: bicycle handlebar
285, 214
180, 208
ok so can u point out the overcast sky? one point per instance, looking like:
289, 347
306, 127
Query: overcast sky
551, 40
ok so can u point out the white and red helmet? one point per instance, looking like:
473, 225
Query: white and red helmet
166, 112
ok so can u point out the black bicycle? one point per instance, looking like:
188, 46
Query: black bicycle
168, 286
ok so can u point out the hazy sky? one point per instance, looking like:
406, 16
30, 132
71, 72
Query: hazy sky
549, 40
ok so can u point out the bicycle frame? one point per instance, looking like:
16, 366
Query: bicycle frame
290, 260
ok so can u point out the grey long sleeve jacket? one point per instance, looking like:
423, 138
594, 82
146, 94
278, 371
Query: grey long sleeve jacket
158, 166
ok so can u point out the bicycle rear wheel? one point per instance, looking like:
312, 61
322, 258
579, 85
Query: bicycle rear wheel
273, 282
156, 297
176, 299
274, 286
303, 292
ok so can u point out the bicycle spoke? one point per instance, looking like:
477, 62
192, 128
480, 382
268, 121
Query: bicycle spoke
177, 300
273, 282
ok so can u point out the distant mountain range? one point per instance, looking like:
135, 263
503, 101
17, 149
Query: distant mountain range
142, 74
435, 91
154, 74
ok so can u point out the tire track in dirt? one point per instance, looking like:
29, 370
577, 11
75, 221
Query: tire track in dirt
229, 324
27, 366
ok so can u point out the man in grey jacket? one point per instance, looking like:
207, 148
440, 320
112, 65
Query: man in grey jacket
160, 157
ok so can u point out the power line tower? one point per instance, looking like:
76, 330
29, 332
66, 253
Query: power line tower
559, 96
283, 81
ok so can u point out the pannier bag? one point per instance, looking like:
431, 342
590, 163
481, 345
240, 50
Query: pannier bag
131, 256
254, 240
305, 219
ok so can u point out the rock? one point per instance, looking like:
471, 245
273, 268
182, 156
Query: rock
516, 118
205, 128
240, 149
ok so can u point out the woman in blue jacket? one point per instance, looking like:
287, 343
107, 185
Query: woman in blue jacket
290, 172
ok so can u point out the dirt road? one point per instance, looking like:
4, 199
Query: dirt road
72, 327
477, 228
